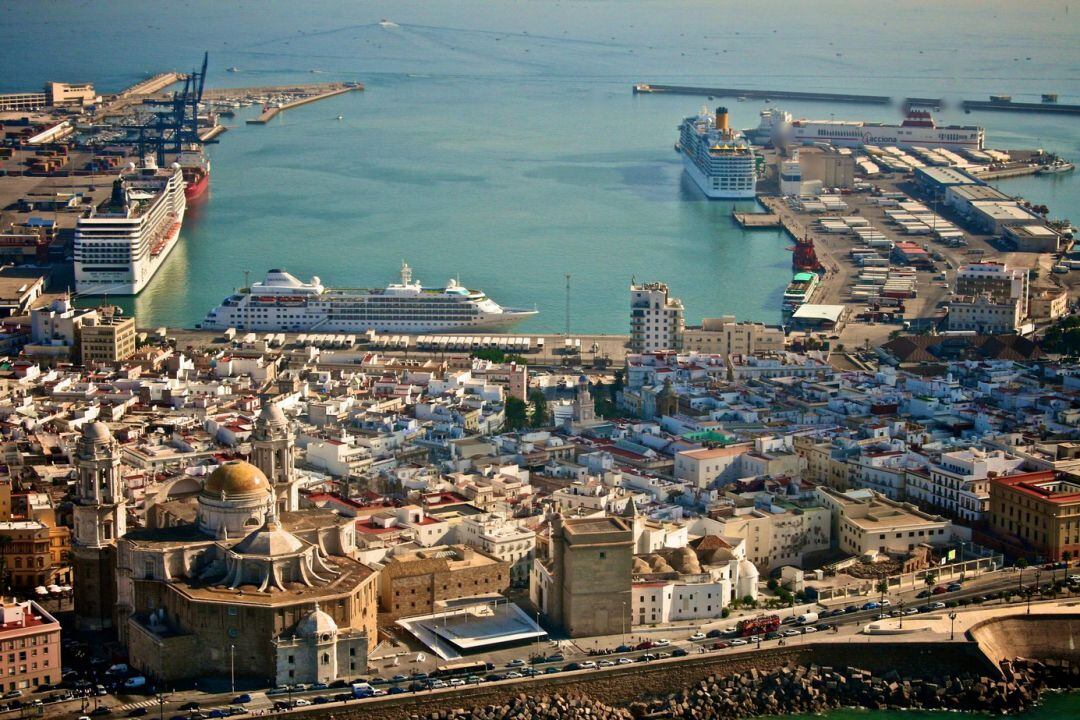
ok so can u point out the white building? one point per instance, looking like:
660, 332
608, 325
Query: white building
656, 319
1001, 282
500, 538
983, 314
777, 535
869, 523
957, 482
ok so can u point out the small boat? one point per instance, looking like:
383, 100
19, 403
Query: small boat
741, 98
340, 117
234, 69
1058, 166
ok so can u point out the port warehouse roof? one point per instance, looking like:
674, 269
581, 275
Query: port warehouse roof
942, 176
811, 312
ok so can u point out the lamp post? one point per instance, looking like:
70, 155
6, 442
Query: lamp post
952, 625
232, 668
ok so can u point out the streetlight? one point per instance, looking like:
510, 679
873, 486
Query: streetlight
952, 625
232, 668
901, 614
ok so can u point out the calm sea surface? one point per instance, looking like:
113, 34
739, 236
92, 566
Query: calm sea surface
499, 142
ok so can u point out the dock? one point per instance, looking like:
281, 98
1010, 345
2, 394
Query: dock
270, 113
647, 88
1053, 108
755, 221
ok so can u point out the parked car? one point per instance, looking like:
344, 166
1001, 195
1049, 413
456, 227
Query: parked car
624, 661
679, 652
954, 587
923, 594
698, 636
870, 605
241, 699
936, 606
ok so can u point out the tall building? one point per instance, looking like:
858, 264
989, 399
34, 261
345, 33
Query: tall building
996, 279
107, 338
984, 314
100, 515
30, 640
590, 561
273, 451
656, 318
1037, 514
957, 482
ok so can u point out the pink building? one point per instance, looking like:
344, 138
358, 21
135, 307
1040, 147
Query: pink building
29, 646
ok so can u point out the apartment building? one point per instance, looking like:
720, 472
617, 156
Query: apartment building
985, 314
996, 279
957, 484
29, 646
725, 336
107, 339
865, 522
656, 319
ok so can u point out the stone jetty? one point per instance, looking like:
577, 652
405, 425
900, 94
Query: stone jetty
794, 689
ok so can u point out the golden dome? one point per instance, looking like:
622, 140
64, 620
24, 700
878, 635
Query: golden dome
236, 477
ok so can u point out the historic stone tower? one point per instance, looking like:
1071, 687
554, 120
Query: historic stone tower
584, 410
273, 450
591, 562
100, 518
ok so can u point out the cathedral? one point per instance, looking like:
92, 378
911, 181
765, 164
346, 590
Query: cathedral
238, 577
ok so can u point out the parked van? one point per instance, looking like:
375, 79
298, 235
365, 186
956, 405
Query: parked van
807, 618
135, 683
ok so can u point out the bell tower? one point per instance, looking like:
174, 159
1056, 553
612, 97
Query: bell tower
273, 450
100, 515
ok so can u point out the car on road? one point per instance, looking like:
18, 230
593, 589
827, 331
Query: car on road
714, 633
399, 678
301, 702
137, 712
515, 675
936, 606
870, 605
188, 706
624, 661
851, 609
923, 594
809, 629
572, 666
720, 645
589, 665
698, 636
606, 663
789, 633
438, 684
885, 602
518, 662
396, 690
322, 699
100, 710
896, 613
12, 694
457, 682
679, 652
661, 642
738, 641
954, 587
911, 611
241, 699
647, 657
939, 590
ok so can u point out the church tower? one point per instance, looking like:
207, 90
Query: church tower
100, 515
273, 450
584, 410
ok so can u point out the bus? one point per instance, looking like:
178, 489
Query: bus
462, 668
758, 625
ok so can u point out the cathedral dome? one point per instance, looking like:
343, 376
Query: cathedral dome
96, 432
271, 414
316, 624
270, 540
236, 477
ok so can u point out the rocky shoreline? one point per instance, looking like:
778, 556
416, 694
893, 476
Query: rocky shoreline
795, 689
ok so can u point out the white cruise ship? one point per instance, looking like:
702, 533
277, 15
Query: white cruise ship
719, 159
281, 302
918, 128
122, 242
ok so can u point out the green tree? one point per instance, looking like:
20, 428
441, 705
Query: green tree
617, 385
882, 587
1064, 337
930, 578
516, 413
539, 416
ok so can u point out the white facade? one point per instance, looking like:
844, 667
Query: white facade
780, 536
656, 319
957, 483
869, 523
983, 314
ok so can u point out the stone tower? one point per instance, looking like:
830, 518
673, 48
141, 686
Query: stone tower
584, 410
591, 563
100, 515
273, 450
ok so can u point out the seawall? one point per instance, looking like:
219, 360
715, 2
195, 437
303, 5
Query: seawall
1052, 638
624, 685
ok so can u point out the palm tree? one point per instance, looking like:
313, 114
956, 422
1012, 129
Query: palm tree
1020, 565
930, 578
882, 587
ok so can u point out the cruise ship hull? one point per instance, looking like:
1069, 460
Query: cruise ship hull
225, 320
135, 279
702, 181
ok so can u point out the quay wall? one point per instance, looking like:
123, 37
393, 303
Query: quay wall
1051, 638
623, 685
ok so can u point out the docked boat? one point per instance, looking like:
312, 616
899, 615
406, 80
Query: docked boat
918, 128
1058, 166
122, 242
718, 159
196, 168
282, 303
800, 290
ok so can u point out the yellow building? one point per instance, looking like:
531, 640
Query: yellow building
1037, 514
107, 339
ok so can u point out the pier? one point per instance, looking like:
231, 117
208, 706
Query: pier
755, 221
1010, 106
646, 88
270, 113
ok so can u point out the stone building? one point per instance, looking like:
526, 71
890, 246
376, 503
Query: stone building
416, 582
273, 450
583, 584
100, 515
278, 597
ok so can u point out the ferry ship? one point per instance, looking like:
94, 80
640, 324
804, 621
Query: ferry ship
917, 128
196, 168
283, 303
800, 290
121, 243
717, 158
